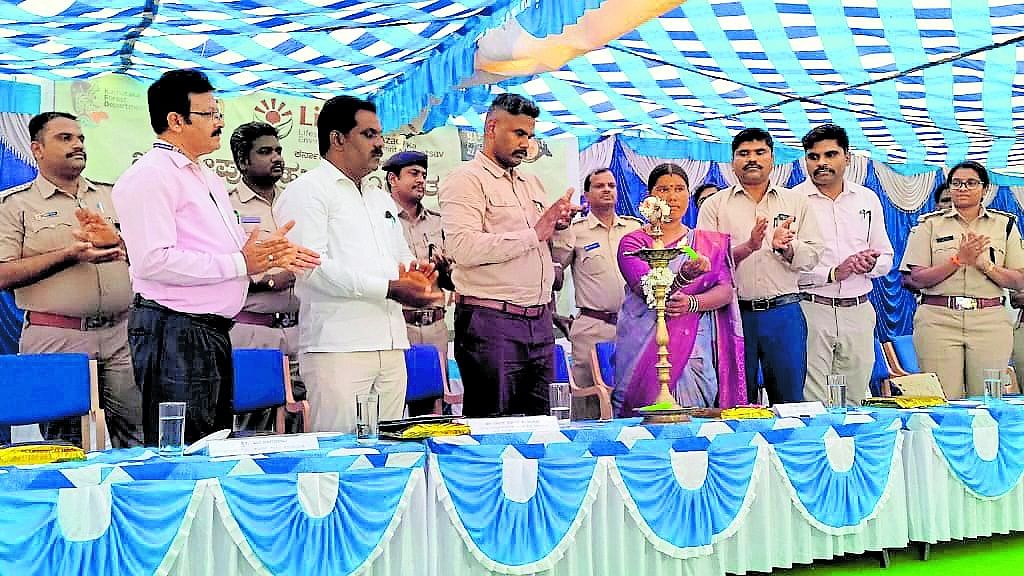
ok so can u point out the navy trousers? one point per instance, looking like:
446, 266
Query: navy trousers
181, 357
775, 341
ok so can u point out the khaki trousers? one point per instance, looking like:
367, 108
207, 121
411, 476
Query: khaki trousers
120, 398
1018, 352
334, 378
585, 333
959, 345
839, 341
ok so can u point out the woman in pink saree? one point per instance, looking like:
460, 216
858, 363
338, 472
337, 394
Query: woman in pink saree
705, 334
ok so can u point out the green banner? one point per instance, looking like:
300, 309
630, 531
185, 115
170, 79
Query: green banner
114, 116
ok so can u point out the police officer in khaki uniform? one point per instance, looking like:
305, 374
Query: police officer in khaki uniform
962, 259
270, 315
406, 180
61, 254
589, 247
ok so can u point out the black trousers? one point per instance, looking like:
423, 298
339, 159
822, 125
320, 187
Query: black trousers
181, 357
506, 361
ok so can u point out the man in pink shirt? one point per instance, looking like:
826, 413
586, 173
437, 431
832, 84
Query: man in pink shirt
189, 259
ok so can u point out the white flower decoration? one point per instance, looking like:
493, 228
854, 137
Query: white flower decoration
655, 209
655, 277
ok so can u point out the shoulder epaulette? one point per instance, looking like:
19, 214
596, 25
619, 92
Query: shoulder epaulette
1011, 219
931, 214
633, 218
432, 212
14, 190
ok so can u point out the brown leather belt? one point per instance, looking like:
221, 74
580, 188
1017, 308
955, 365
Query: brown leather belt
962, 302
424, 316
73, 322
768, 303
274, 320
835, 302
506, 307
607, 317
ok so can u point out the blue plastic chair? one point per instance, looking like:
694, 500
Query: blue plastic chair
563, 374
262, 380
901, 355
879, 372
425, 377
44, 387
602, 361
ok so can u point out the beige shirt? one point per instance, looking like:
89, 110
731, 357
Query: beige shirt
488, 214
421, 232
591, 249
936, 239
256, 213
39, 218
765, 273
851, 223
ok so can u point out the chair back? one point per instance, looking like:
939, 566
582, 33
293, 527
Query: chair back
43, 387
423, 369
561, 365
905, 353
259, 379
605, 352
880, 370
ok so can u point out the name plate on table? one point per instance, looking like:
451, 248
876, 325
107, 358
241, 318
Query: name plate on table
512, 424
263, 445
798, 409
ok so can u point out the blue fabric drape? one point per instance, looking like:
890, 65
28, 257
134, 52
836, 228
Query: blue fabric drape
473, 478
687, 518
549, 17
836, 499
632, 190
989, 478
270, 515
144, 519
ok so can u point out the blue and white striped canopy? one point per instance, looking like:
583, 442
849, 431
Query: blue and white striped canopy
915, 82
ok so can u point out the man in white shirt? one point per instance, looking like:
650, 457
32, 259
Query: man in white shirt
351, 330
840, 319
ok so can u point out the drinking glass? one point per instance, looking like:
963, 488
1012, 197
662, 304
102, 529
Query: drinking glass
837, 393
993, 384
367, 415
171, 428
560, 397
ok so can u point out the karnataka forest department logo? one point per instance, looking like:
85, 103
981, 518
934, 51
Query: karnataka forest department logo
276, 114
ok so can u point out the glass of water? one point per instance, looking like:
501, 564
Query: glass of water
367, 416
171, 428
560, 398
837, 393
993, 384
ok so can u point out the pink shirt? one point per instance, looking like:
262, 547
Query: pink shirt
184, 242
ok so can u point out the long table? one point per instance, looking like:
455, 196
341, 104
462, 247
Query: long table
703, 498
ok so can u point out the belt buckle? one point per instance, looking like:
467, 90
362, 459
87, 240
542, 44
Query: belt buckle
284, 320
966, 303
424, 317
94, 322
760, 305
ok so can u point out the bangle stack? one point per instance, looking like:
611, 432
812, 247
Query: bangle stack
692, 304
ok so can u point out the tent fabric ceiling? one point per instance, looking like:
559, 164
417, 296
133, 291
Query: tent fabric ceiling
915, 82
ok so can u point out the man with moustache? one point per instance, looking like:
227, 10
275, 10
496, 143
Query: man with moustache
270, 315
589, 247
498, 232
190, 259
352, 335
406, 174
60, 253
767, 272
856, 248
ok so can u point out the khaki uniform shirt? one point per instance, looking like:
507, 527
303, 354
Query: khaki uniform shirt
488, 214
256, 213
421, 232
591, 249
765, 274
936, 239
39, 218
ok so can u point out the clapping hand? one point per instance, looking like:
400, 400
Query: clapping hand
415, 286
276, 251
860, 263
96, 230
783, 236
971, 246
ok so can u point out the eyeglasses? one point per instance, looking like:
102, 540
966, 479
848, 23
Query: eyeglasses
214, 115
972, 183
667, 189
